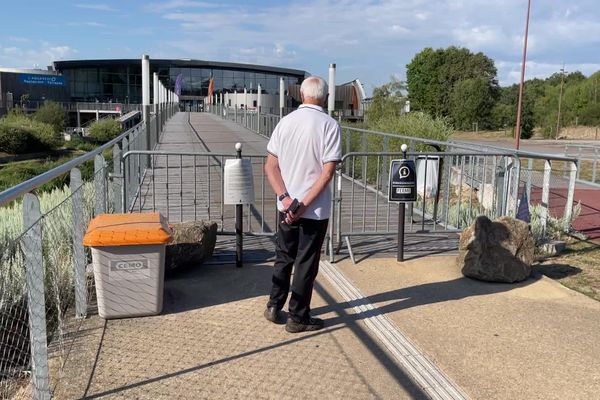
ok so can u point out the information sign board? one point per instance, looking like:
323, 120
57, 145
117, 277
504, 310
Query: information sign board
403, 181
238, 182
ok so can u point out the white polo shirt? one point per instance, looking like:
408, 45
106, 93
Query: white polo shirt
303, 141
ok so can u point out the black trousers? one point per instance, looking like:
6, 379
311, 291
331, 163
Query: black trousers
299, 246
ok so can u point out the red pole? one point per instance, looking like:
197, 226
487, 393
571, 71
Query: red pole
520, 105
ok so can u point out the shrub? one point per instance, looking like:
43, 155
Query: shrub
13, 138
20, 134
105, 130
43, 137
555, 227
415, 124
53, 114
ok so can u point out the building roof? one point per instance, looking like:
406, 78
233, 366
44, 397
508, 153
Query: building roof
176, 63
27, 71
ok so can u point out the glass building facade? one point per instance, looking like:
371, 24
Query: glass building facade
121, 80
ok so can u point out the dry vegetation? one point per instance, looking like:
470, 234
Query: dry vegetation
570, 132
578, 267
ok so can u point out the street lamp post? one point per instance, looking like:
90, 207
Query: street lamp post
520, 104
562, 81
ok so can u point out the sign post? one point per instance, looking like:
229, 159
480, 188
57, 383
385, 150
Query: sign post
403, 189
238, 190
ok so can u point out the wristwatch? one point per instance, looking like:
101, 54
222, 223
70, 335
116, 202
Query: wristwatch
283, 196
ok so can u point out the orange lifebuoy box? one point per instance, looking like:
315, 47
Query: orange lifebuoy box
128, 254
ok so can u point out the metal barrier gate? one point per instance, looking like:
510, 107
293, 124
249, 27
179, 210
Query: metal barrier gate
453, 187
190, 186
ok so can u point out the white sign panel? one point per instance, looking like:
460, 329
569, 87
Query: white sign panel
239, 182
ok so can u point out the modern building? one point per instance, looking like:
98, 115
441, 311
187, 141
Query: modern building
119, 81
22, 85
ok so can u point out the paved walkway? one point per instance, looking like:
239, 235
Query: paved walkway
393, 331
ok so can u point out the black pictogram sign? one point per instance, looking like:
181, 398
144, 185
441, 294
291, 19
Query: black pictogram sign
403, 181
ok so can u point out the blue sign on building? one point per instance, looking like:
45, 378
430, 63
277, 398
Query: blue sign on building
49, 80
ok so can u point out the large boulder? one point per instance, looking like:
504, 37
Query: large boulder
193, 242
496, 251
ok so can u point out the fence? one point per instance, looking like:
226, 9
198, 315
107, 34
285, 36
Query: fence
470, 180
589, 158
261, 123
453, 187
43, 280
190, 186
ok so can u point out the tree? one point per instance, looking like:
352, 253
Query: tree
388, 101
432, 75
105, 130
472, 101
504, 112
53, 114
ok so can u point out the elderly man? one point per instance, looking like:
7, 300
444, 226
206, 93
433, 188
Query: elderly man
303, 152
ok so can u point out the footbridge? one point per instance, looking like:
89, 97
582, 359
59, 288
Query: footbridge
211, 341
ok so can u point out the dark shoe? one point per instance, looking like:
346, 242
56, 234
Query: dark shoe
274, 315
312, 324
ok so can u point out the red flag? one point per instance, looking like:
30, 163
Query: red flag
211, 85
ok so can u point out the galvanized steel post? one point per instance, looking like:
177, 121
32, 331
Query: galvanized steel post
239, 214
155, 87
99, 185
36, 301
78, 250
281, 97
331, 99
258, 108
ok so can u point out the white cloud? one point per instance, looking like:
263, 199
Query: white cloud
39, 56
399, 29
479, 37
533, 69
178, 4
58, 52
18, 39
96, 7
89, 24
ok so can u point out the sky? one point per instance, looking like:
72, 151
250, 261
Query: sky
371, 40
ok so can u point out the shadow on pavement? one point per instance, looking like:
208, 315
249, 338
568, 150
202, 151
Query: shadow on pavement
556, 271
192, 289
374, 347
429, 293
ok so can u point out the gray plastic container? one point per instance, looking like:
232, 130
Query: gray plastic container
129, 280
128, 255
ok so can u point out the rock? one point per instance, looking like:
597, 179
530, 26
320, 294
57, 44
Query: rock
554, 247
498, 251
193, 242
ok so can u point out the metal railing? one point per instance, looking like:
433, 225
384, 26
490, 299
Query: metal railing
188, 186
491, 180
453, 187
82, 105
260, 123
589, 162
43, 279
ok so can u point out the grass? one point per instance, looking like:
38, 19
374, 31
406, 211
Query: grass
577, 268
16, 172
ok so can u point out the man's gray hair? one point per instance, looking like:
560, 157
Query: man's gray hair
314, 87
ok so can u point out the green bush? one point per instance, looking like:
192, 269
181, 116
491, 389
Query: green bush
20, 134
53, 114
13, 138
415, 124
105, 130
14, 173
78, 143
